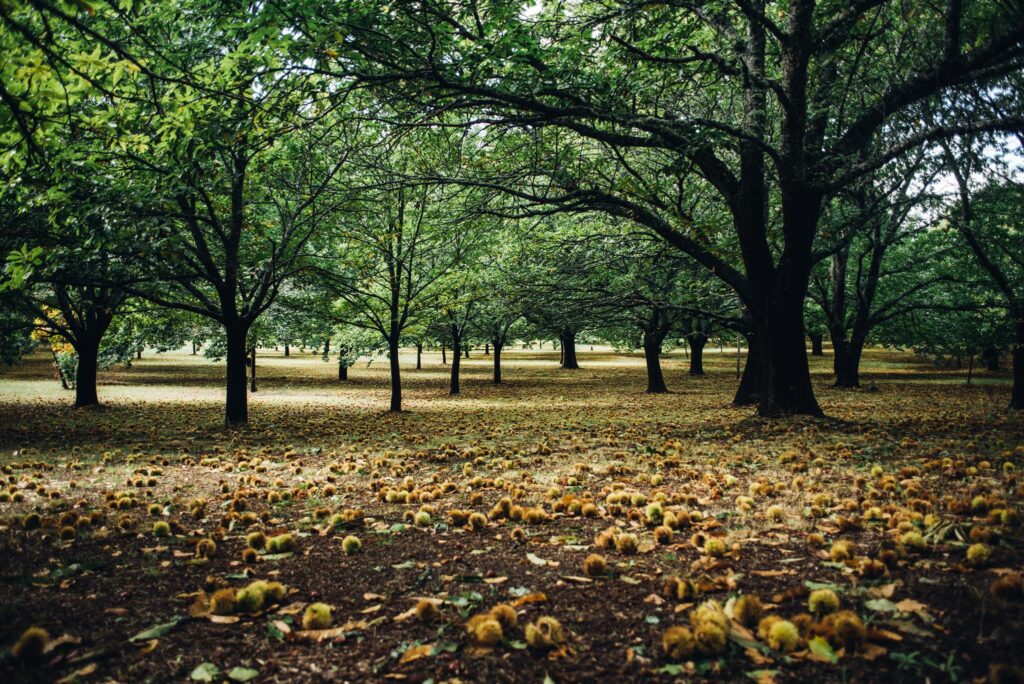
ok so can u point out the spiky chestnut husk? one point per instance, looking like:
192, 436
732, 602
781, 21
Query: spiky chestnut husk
841, 550
505, 614
249, 556
626, 543
205, 548
663, 535
256, 540
678, 643
351, 544
477, 521
913, 539
748, 610
783, 636
317, 616
978, 554
714, 547
823, 602
281, 543
251, 598
846, 629
161, 529
545, 634
223, 601
1008, 587
274, 591
427, 610
484, 630
595, 565
31, 644
31, 521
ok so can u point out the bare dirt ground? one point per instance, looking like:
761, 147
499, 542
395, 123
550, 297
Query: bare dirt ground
911, 473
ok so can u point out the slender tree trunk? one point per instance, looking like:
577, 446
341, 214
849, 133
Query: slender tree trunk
252, 369
816, 347
1017, 393
396, 374
970, 369
456, 358
327, 347
85, 377
652, 356
287, 350
138, 355
569, 349
497, 361
696, 343
236, 403
444, 355
750, 382
487, 348
342, 370
466, 351
195, 349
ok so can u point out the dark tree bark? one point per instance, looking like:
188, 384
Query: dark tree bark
487, 348
195, 349
817, 349
846, 362
990, 355
456, 358
652, 357
342, 371
85, 377
236, 404
287, 350
252, 369
444, 355
697, 342
138, 355
327, 347
465, 351
396, 375
497, 361
747, 392
568, 340
419, 355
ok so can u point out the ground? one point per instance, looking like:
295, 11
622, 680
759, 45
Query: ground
912, 470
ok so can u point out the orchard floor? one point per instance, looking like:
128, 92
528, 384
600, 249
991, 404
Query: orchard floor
924, 452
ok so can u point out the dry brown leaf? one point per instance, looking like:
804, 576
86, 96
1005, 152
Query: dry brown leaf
536, 597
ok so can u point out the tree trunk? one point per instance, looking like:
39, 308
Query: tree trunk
696, 343
652, 356
419, 355
138, 355
990, 355
194, 349
252, 369
847, 363
85, 377
444, 355
1017, 393
456, 359
816, 346
327, 348
788, 380
568, 339
750, 382
287, 350
236, 403
342, 370
466, 351
497, 361
487, 348
396, 375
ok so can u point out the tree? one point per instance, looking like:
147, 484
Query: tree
774, 108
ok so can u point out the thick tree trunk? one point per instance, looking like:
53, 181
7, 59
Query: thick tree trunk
85, 377
236, 402
847, 363
497, 361
1017, 393
788, 380
568, 339
252, 369
342, 370
419, 355
652, 356
456, 358
697, 342
816, 347
750, 382
396, 375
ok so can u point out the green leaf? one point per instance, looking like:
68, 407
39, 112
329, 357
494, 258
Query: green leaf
243, 674
205, 672
882, 605
158, 630
821, 648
